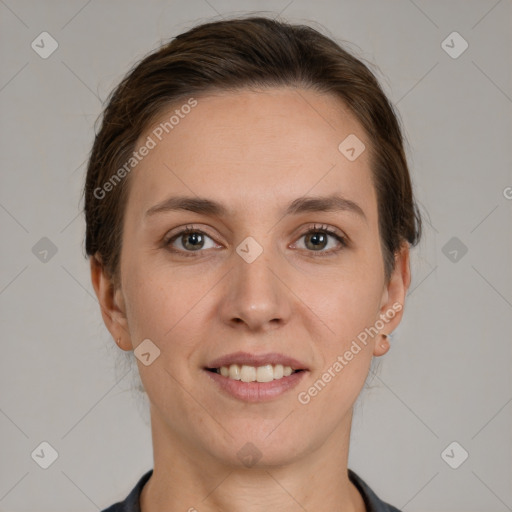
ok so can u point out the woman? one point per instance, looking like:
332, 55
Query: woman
249, 218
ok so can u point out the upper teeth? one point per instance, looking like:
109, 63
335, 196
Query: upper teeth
246, 373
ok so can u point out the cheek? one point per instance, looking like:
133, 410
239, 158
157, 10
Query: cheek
347, 307
167, 312
165, 305
149, 309
350, 303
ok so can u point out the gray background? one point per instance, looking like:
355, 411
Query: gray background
448, 375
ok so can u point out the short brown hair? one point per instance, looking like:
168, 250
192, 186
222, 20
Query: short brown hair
232, 55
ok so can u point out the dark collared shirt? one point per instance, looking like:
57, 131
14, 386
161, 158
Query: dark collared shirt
371, 501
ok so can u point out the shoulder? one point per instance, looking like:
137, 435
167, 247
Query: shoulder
132, 501
372, 502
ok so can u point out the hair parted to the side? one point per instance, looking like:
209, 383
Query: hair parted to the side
249, 52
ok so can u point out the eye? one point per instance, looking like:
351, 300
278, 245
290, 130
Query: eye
191, 240
317, 239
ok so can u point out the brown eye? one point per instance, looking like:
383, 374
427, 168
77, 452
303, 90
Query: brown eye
192, 241
317, 239
189, 240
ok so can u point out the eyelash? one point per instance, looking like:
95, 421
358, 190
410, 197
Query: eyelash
314, 229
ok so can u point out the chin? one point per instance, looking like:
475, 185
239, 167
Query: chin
254, 448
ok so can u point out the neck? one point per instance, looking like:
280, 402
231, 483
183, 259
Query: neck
186, 479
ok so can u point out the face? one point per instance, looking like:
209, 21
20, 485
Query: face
265, 278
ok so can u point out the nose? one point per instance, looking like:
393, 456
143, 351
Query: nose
256, 294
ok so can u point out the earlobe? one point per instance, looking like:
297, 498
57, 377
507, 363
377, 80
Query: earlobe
382, 345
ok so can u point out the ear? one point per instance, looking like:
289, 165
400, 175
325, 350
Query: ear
111, 302
393, 298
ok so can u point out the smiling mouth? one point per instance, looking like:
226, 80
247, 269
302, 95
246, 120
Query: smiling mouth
246, 373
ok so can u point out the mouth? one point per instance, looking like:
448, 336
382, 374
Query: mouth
247, 373
255, 378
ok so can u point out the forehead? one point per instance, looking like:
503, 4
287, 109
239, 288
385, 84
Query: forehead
252, 150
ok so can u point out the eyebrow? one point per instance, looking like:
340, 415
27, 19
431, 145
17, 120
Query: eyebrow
332, 203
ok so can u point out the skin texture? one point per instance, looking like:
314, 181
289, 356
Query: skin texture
253, 151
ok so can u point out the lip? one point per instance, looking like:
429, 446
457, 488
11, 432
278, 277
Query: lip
256, 360
256, 391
